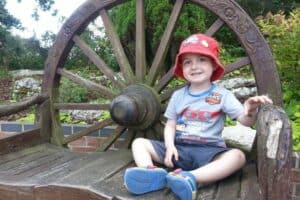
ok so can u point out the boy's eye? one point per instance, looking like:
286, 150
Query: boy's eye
186, 62
202, 59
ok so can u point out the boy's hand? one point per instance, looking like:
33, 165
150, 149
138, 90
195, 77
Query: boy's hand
253, 103
170, 152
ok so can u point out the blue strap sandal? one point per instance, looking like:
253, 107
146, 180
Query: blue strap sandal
139, 180
183, 184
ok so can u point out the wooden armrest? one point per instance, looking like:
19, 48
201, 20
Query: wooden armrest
274, 152
20, 106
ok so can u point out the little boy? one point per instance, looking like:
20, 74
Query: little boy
195, 119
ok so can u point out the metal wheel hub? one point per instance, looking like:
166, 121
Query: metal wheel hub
138, 106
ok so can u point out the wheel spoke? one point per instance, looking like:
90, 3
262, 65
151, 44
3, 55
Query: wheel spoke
81, 106
103, 91
165, 42
159, 129
164, 107
166, 95
238, 64
129, 138
101, 65
140, 50
214, 27
117, 47
140, 134
151, 134
112, 138
88, 130
164, 80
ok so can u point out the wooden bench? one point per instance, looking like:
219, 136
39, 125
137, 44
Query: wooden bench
33, 169
36, 165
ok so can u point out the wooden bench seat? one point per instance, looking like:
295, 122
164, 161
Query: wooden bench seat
49, 172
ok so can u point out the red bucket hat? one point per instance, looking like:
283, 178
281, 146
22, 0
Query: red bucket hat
200, 44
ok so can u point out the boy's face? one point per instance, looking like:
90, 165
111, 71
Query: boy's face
197, 68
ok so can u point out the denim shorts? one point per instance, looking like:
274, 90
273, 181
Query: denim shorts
190, 157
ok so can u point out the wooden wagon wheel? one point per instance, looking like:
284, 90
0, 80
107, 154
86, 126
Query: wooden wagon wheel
137, 106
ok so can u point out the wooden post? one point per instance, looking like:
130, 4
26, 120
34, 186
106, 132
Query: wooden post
274, 155
45, 120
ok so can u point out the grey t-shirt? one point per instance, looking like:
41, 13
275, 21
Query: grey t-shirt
200, 118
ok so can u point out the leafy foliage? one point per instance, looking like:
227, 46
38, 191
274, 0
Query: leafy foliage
20, 53
157, 12
283, 34
7, 21
262, 7
71, 92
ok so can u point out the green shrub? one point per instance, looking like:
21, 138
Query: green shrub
4, 73
28, 118
283, 33
70, 92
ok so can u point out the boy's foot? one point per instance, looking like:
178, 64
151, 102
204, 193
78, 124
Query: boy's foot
139, 180
183, 184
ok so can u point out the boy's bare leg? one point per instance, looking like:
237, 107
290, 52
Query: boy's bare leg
222, 166
144, 153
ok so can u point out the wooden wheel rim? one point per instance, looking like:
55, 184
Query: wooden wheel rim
229, 13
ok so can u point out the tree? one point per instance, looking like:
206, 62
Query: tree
7, 21
15, 52
157, 12
261, 7
44, 5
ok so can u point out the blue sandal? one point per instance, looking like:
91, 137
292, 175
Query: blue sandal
183, 184
139, 180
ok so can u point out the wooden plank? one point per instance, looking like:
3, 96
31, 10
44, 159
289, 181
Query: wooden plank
207, 192
13, 192
101, 65
17, 107
12, 168
20, 141
295, 175
57, 172
167, 94
237, 64
115, 189
8, 193
109, 163
228, 189
88, 130
293, 197
140, 50
81, 106
117, 47
11, 157
101, 90
41, 165
45, 121
214, 27
274, 142
58, 192
164, 80
111, 139
249, 183
130, 137
295, 190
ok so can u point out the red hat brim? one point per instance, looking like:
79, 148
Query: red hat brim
217, 74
